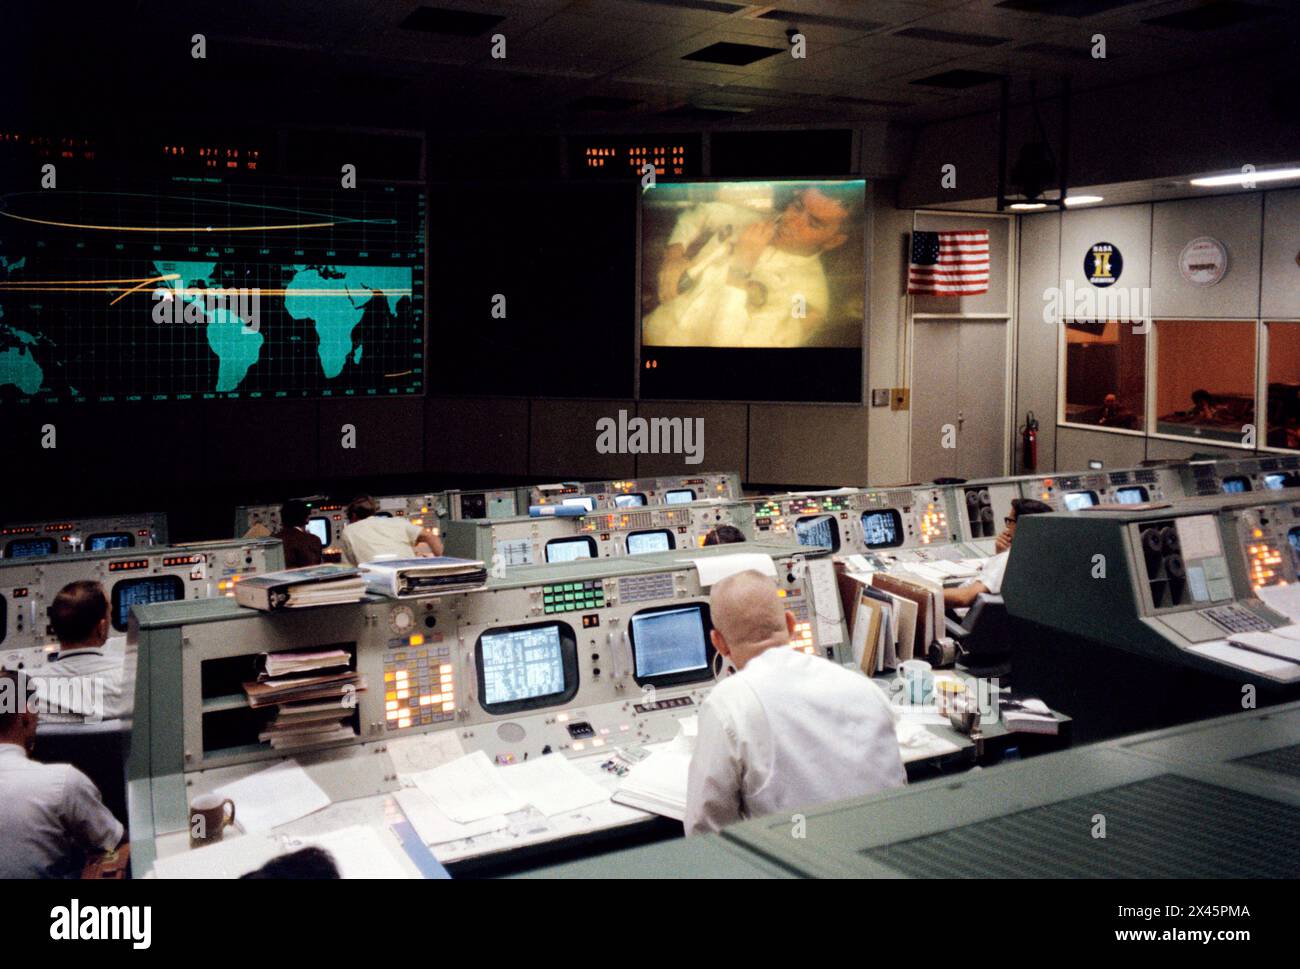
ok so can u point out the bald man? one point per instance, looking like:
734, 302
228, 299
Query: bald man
788, 730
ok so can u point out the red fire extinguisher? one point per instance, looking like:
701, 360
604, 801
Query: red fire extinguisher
1029, 435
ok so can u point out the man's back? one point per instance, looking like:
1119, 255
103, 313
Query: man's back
370, 538
789, 731
301, 548
49, 815
89, 683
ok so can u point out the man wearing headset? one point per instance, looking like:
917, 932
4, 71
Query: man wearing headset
788, 730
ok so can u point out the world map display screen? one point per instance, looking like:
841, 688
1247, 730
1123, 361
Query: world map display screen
196, 289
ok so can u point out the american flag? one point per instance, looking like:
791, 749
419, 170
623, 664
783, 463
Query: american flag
949, 263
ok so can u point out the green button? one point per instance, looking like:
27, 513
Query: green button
550, 608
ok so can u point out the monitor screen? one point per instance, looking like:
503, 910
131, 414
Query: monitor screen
670, 644
107, 540
141, 592
586, 502
320, 527
882, 529
679, 497
819, 530
1235, 485
526, 667
1074, 500
629, 501
659, 540
21, 548
1131, 496
1280, 480
569, 549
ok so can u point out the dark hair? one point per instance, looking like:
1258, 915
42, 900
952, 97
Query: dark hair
361, 507
724, 535
16, 691
77, 610
1202, 396
305, 863
1029, 506
293, 513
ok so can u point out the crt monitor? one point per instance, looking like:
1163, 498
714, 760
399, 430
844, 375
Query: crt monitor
103, 541
1074, 500
320, 527
526, 667
821, 530
569, 549
670, 645
658, 540
1235, 484
634, 500
586, 501
1280, 479
1133, 495
140, 592
679, 496
882, 529
22, 548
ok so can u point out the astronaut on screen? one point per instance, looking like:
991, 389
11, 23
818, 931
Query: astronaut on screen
733, 275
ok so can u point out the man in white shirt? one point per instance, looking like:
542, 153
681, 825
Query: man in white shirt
92, 677
371, 536
788, 730
990, 577
731, 277
51, 815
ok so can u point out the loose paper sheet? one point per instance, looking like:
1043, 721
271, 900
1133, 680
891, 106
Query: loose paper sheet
469, 789
272, 797
714, 570
553, 785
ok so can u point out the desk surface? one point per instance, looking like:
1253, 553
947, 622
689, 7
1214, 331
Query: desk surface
526, 832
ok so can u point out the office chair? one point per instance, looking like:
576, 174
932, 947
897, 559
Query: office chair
98, 750
983, 635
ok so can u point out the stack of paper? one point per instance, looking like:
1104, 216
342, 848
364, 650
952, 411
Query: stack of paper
315, 694
296, 664
1028, 715
658, 783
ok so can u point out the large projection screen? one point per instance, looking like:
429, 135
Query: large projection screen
753, 290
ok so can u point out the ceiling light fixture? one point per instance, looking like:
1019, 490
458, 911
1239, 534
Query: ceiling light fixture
1072, 200
1242, 178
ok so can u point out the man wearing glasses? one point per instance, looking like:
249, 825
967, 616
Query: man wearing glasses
990, 578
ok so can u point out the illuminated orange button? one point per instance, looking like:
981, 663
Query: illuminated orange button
390, 695
417, 639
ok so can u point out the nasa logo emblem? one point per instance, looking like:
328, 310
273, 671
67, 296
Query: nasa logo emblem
1102, 264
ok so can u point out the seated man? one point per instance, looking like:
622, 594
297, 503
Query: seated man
301, 547
92, 677
51, 815
724, 535
990, 577
371, 536
788, 730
